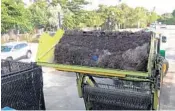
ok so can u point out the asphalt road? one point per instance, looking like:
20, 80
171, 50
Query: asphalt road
61, 92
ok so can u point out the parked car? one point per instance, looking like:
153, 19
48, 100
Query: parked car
163, 26
15, 50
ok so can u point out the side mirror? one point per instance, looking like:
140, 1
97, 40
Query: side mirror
164, 39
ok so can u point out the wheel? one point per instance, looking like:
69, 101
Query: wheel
28, 54
165, 67
9, 58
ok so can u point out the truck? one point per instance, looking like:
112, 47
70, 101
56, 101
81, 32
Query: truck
130, 90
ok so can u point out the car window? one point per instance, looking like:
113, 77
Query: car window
6, 48
17, 47
24, 45
20, 46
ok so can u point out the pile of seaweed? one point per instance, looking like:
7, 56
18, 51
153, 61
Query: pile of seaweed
117, 50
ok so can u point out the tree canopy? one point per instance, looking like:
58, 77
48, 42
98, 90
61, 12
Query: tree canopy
168, 18
173, 13
47, 15
14, 15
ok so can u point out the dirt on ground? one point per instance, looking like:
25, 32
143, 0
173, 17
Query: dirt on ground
116, 50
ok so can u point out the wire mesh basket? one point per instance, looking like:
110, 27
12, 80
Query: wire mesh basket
21, 86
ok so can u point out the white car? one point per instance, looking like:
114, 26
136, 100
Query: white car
15, 50
163, 26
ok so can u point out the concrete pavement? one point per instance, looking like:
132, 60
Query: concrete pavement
168, 90
60, 91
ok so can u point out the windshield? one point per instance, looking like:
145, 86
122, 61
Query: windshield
6, 48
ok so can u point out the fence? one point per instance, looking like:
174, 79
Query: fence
21, 86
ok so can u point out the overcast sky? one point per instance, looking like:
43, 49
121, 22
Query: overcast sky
162, 6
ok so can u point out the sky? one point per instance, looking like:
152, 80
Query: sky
161, 6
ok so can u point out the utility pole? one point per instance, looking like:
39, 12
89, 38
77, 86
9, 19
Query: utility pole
59, 19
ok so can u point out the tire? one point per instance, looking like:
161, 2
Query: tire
28, 54
9, 58
166, 63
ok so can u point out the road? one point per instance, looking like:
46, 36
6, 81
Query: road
60, 87
168, 90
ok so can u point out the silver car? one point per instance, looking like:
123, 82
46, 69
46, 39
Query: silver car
15, 50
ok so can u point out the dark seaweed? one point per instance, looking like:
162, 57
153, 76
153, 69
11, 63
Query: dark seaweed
117, 50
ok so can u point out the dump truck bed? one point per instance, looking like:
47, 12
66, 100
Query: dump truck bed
45, 57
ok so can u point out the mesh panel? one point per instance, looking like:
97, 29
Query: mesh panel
8, 67
21, 86
118, 97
